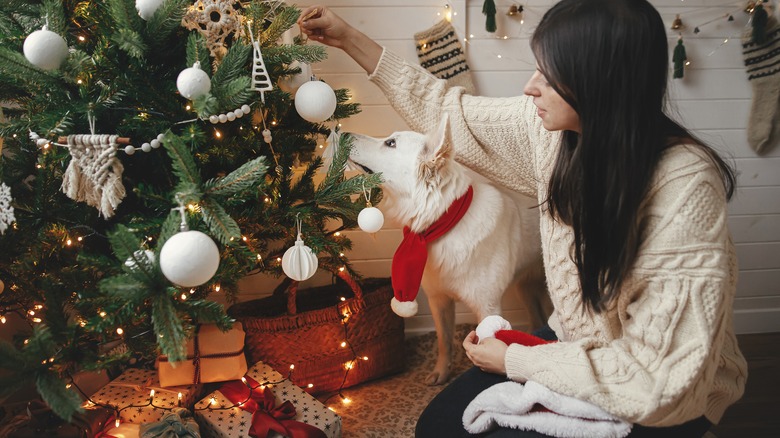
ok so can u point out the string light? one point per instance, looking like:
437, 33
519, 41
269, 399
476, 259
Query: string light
120, 331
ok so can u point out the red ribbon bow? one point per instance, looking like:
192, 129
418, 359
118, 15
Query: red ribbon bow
266, 416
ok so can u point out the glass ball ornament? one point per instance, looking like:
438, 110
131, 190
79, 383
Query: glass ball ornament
299, 262
45, 49
147, 8
371, 219
193, 82
315, 101
189, 258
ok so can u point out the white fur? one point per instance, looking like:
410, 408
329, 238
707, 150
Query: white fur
494, 245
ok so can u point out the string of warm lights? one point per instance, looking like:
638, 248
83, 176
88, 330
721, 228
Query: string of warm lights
212, 405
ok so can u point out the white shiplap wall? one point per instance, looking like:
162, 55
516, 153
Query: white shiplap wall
714, 100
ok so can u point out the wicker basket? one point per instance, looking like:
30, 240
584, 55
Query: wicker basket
311, 332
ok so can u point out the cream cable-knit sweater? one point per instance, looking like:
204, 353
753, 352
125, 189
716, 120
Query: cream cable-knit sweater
665, 351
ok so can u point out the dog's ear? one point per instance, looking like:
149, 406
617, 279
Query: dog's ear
438, 149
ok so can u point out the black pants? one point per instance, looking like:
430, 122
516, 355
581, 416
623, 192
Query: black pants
443, 418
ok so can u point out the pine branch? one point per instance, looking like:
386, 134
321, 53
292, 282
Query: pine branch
14, 65
243, 178
166, 21
131, 42
169, 328
125, 244
124, 14
205, 311
197, 52
61, 400
183, 165
219, 222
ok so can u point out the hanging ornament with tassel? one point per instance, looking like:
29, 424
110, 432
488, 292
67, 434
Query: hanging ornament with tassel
489, 9
679, 58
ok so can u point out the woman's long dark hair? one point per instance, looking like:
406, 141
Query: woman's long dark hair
609, 60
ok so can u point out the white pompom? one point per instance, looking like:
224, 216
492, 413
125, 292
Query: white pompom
490, 325
299, 262
189, 258
147, 8
130, 262
193, 82
45, 49
371, 219
404, 309
315, 101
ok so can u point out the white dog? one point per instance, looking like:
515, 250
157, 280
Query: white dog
494, 246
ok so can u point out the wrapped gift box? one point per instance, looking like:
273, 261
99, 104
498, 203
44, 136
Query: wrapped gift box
217, 422
133, 388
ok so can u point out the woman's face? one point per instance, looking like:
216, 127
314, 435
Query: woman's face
555, 112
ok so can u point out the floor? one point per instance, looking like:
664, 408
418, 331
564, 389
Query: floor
757, 414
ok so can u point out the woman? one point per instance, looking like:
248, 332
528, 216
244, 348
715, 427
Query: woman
639, 261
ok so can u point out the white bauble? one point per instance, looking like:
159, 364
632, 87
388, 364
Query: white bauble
147, 8
130, 262
315, 101
189, 258
291, 83
45, 49
371, 219
193, 82
299, 262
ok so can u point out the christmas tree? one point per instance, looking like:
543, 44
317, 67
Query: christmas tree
131, 124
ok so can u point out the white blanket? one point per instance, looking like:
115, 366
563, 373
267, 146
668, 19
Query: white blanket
514, 405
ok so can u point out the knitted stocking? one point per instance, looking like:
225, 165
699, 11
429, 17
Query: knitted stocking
440, 53
762, 63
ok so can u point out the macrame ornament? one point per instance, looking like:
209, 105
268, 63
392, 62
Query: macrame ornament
261, 82
94, 174
6, 210
762, 64
216, 20
678, 58
489, 9
189, 258
299, 262
441, 53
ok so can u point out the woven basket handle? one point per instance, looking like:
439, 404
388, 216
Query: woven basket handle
292, 291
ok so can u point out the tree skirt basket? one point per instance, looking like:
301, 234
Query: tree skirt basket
306, 328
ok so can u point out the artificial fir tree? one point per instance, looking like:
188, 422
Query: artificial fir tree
82, 267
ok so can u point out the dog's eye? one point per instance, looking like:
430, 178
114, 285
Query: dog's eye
390, 142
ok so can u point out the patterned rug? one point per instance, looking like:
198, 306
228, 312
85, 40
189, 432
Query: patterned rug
389, 407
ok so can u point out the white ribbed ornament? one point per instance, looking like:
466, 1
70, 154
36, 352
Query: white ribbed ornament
299, 262
189, 258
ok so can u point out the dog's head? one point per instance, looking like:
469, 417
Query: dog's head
408, 161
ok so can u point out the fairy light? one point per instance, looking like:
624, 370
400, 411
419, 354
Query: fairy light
183, 297
2, 319
310, 385
37, 320
192, 291
343, 344
82, 38
279, 259
341, 269
69, 242
337, 234
102, 313
116, 422
217, 133
31, 312
120, 331
292, 367
79, 238
217, 288
213, 401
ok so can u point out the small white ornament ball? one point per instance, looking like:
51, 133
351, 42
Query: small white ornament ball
189, 258
193, 82
129, 149
214, 119
315, 101
231, 116
130, 262
156, 143
371, 219
222, 118
245, 108
45, 49
146, 147
147, 8
299, 262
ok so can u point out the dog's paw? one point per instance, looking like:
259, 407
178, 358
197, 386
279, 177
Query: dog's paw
437, 378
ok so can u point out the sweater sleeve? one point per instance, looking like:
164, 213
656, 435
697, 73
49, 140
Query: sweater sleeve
674, 313
496, 137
